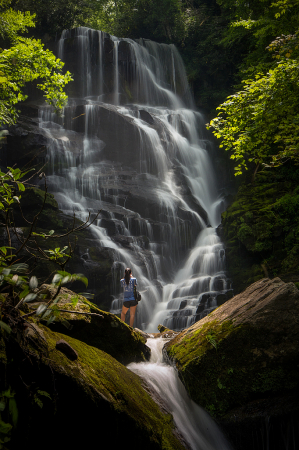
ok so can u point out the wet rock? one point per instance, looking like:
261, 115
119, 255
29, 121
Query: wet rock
143, 333
66, 349
200, 308
161, 328
256, 333
183, 304
144, 115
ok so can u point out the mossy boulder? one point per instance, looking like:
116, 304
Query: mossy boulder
261, 228
244, 350
93, 400
99, 329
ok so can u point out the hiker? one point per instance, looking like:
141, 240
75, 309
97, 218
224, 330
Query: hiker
129, 302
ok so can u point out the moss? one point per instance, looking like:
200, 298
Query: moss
98, 372
224, 366
95, 392
109, 334
261, 229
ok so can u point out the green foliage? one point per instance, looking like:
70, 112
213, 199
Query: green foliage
152, 19
37, 397
13, 274
24, 62
211, 339
54, 16
261, 228
8, 411
260, 123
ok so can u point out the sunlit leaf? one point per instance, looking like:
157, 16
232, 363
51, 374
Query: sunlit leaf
30, 298
33, 283
56, 278
41, 309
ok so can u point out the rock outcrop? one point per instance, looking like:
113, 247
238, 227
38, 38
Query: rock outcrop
93, 400
244, 351
99, 329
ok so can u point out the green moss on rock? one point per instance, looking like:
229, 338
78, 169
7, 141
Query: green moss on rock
107, 333
94, 398
243, 350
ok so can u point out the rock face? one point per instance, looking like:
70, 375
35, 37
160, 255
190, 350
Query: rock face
260, 229
93, 399
245, 350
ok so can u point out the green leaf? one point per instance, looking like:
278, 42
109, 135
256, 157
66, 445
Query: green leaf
44, 393
41, 309
66, 324
21, 267
33, 283
5, 428
13, 410
30, 298
5, 327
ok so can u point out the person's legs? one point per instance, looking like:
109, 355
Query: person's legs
123, 313
132, 315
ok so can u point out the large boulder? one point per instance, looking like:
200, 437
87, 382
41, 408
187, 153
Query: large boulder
66, 402
245, 350
97, 328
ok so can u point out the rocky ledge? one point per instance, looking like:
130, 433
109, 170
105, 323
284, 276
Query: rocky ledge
100, 329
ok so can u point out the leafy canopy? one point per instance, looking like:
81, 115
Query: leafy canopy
259, 123
25, 61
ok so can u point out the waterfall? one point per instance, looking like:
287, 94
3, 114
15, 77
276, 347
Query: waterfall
128, 144
196, 426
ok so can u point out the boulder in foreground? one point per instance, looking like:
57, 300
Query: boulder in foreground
108, 332
246, 349
93, 401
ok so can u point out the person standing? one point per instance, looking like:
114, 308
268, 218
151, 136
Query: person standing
128, 283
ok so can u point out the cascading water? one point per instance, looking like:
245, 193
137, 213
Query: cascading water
196, 426
128, 144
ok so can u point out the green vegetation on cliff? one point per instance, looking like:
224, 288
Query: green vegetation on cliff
261, 228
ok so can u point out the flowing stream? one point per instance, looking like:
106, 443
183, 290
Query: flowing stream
196, 426
129, 144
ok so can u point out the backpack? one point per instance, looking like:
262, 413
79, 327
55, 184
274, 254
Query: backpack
137, 294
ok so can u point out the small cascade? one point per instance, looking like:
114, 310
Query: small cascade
129, 144
195, 425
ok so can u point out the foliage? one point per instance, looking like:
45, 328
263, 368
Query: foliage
53, 16
150, 19
260, 123
26, 61
8, 411
13, 273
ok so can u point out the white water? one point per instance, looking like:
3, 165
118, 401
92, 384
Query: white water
182, 272
196, 426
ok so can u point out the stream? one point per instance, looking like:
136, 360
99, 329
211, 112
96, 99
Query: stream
192, 421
